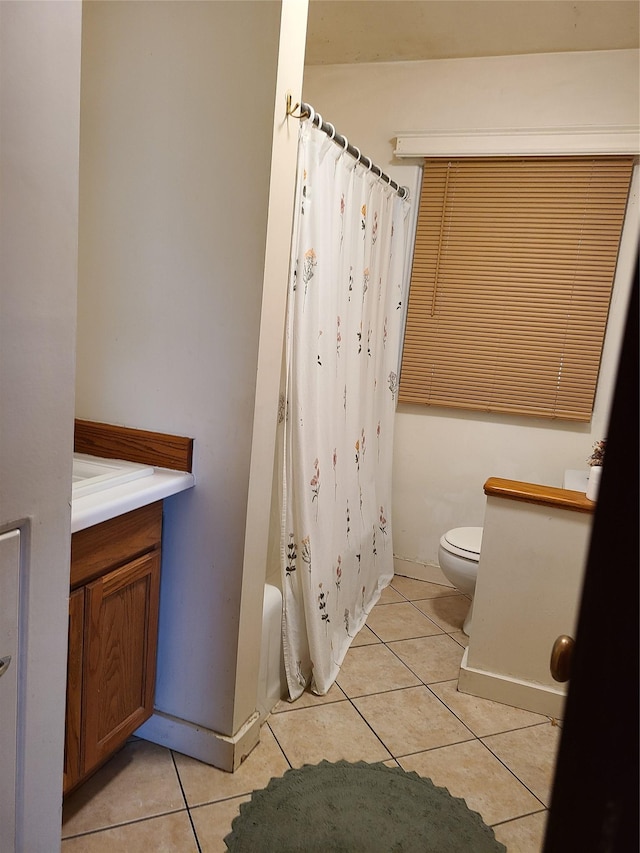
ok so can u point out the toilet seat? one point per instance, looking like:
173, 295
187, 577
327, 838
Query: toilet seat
464, 542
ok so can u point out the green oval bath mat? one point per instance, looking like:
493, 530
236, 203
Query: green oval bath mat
357, 808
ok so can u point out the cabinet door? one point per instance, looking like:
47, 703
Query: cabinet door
74, 690
121, 626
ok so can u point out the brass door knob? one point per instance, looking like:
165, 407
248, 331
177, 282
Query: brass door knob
561, 652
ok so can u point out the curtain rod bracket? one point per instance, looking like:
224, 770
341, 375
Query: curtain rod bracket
291, 110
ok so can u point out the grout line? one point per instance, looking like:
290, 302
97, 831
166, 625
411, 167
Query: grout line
546, 722
368, 724
342, 698
393, 652
512, 819
473, 737
434, 748
513, 773
184, 797
118, 825
411, 687
280, 747
440, 630
228, 799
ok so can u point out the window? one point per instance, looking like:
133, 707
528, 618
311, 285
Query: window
512, 274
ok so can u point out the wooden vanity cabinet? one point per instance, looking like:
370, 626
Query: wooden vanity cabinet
113, 628
74, 691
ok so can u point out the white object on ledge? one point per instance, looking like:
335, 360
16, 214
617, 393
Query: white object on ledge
593, 484
576, 479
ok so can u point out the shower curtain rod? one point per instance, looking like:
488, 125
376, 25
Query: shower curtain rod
307, 111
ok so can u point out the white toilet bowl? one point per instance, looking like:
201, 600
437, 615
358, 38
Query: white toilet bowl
458, 555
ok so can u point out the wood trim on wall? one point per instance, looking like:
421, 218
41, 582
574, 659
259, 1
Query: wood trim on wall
536, 494
519, 142
134, 445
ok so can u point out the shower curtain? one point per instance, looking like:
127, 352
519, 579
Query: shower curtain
344, 325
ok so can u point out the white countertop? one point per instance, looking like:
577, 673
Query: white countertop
109, 502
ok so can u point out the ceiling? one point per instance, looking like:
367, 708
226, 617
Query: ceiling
348, 31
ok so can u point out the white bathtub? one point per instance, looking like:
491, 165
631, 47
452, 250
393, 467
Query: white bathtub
271, 682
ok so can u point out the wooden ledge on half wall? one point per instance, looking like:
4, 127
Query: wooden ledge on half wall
537, 494
134, 445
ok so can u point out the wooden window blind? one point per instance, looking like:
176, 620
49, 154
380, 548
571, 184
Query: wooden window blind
511, 281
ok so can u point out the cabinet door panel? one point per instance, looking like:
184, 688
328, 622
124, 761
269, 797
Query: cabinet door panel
121, 621
72, 735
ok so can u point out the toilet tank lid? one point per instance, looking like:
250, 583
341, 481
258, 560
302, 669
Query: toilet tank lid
466, 538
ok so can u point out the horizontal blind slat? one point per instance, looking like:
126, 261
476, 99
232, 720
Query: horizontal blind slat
511, 281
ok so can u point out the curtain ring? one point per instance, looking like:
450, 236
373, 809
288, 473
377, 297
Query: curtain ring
333, 130
312, 112
319, 117
345, 144
370, 166
359, 157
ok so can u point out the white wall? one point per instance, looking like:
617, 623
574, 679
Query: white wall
176, 132
39, 126
442, 457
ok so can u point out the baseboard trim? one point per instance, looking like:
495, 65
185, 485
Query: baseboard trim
226, 753
538, 698
420, 571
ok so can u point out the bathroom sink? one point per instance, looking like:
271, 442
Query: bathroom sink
91, 474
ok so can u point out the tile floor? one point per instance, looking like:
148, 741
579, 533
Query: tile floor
396, 701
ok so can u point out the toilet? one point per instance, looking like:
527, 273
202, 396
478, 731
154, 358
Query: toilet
458, 555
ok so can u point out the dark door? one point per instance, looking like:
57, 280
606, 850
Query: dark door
594, 805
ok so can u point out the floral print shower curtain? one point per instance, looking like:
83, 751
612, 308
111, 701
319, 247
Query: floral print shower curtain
344, 326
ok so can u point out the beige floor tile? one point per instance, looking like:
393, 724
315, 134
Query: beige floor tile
205, 784
432, 659
530, 754
370, 669
460, 637
390, 596
400, 622
171, 833
364, 637
139, 781
524, 835
483, 716
411, 720
470, 771
213, 823
330, 732
309, 699
449, 612
415, 589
